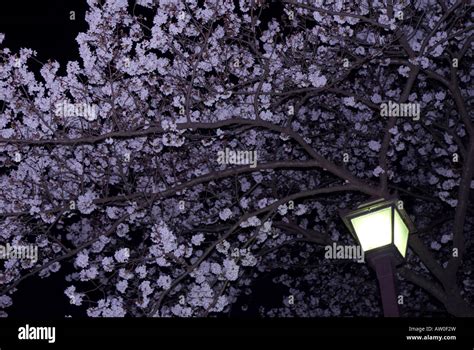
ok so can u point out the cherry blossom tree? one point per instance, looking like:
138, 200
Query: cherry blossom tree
110, 163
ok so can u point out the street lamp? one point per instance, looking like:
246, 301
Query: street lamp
382, 227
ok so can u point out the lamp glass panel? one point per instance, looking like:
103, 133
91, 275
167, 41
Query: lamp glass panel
400, 234
374, 229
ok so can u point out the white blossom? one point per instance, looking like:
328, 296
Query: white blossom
85, 202
197, 239
122, 286
231, 269
74, 297
82, 259
122, 255
377, 171
164, 281
225, 214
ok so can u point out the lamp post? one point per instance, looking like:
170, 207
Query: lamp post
382, 227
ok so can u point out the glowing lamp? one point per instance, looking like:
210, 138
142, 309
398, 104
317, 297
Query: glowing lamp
381, 227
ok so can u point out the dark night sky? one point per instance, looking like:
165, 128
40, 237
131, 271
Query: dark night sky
43, 26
